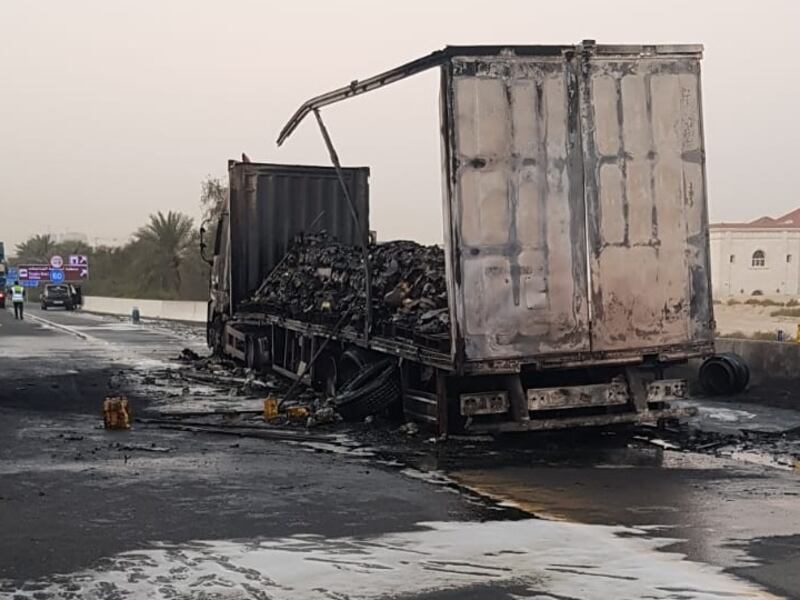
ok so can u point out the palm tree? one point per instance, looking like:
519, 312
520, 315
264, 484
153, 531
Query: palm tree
165, 242
38, 249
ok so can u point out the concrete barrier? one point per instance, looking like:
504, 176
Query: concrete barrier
171, 310
767, 360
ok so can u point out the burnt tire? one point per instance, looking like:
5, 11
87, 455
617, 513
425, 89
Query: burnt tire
740, 367
351, 364
724, 374
372, 391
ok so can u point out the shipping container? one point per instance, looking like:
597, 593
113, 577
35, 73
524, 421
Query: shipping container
267, 206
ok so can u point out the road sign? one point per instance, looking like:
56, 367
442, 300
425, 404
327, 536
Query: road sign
78, 260
76, 273
29, 283
12, 273
56, 261
38, 272
45, 274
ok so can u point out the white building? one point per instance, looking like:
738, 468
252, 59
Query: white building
72, 236
757, 258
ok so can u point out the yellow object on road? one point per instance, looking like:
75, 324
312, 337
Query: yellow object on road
116, 413
270, 407
297, 412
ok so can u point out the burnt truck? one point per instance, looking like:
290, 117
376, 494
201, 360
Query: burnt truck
576, 251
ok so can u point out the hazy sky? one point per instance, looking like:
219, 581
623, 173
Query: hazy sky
111, 110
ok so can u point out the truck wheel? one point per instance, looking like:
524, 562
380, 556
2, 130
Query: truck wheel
372, 391
352, 362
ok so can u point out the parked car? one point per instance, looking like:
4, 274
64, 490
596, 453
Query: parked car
58, 294
2, 297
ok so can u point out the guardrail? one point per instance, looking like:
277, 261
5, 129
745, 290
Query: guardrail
171, 310
766, 360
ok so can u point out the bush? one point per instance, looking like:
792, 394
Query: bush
792, 302
733, 302
785, 312
766, 336
764, 302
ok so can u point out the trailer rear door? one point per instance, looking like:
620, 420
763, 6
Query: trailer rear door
645, 197
517, 245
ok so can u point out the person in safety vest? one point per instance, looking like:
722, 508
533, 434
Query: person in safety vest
18, 298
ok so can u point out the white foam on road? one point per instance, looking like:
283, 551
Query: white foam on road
540, 559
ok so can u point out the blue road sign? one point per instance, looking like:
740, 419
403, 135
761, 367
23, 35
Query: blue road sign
12, 274
29, 283
56, 275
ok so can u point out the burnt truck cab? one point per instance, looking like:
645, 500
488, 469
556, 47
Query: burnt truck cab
575, 241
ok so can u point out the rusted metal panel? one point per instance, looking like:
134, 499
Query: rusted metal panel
271, 204
515, 239
648, 416
484, 403
579, 396
645, 197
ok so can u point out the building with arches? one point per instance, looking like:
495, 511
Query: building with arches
759, 258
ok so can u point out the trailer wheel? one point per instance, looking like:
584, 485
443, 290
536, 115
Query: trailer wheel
352, 362
372, 391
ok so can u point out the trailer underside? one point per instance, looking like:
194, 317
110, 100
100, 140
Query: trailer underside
561, 392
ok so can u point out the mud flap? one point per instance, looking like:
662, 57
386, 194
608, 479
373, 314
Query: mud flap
637, 389
517, 398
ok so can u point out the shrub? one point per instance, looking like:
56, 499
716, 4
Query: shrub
762, 302
785, 312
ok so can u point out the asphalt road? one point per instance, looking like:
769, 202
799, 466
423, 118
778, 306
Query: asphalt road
86, 513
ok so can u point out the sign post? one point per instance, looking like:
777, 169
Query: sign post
49, 274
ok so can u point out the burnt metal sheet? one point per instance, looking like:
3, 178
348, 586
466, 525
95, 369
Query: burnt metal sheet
515, 245
645, 199
270, 204
577, 396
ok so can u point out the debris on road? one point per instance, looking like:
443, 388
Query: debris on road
143, 448
116, 413
321, 279
189, 355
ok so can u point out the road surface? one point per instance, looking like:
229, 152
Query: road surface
87, 513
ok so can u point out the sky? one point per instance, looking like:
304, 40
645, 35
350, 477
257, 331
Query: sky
111, 110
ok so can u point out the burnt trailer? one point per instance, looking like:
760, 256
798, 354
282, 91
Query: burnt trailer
575, 241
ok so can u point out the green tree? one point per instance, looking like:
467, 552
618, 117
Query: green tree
213, 195
37, 249
213, 199
165, 243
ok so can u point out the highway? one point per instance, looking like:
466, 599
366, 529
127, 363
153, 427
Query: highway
363, 511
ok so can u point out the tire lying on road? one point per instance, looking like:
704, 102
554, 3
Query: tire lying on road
371, 391
724, 374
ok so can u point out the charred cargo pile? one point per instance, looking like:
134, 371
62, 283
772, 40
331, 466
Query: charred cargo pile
322, 281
